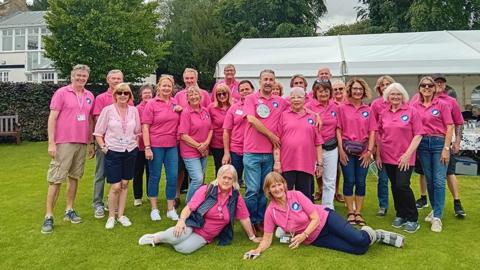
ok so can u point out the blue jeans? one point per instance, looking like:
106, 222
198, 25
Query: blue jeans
338, 234
257, 166
354, 175
196, 170
382, 188
168, 156
237, 163
429, 152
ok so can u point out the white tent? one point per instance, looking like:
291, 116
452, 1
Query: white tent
406, 56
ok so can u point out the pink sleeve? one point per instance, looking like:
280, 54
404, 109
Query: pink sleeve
185, 122
372, 124
197, 198
102, 122
56, 104
241, 211
285, 104
268, 222
279, 129
205, 99
446, 115
97, 108
138, 124
249, 107
147, 115
456, 113
228, 122
417, 123
307, 205
318, 136
340, 117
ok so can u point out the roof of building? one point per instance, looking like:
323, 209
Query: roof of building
23, 18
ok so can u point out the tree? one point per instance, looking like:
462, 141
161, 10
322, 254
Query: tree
357, 28
38, 5
108, 34
391, 15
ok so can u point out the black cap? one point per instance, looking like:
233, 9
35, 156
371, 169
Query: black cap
439, 76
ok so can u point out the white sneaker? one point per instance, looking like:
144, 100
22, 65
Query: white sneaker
137, 202
110, 223
155, 215
429, 217
124, 221
436, 225
147, 239
172, 214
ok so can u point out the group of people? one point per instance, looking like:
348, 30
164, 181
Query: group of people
274, 146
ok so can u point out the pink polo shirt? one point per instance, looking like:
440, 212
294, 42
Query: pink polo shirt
181, 98
103, 100
163, 121
256, 142
72, 125
218, 116
435, 117
236, 122
355, 123
377, 106
196, 124
453, 106
218, 216
396, 131
119, 135
328, 114
296, 217
233, 89
141, 108
298, 137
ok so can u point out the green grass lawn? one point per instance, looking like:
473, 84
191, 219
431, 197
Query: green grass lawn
90, 246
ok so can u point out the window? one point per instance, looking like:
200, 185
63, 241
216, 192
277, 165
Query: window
19, 39
32, 60
7, 40
44, 32
48, 76
475, 97
3, 76
32, 42
29, 77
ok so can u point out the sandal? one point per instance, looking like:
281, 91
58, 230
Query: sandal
339, 198
359, 220
351, 221
318, 196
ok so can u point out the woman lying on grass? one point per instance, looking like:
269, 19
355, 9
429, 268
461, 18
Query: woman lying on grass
209, 214
311, 224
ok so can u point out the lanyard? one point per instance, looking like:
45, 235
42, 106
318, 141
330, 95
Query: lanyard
292, 234
123, 120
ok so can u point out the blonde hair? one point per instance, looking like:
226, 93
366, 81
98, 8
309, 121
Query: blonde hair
192, 89
420, 82
163, 78
280, 86
380, 81
122, 87
270, 179
227, 90
367, 92
227, 168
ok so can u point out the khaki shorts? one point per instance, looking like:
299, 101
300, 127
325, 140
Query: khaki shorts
69, 161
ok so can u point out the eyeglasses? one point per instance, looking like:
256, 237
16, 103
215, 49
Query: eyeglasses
124, 93
220, 94
427, 85
357, 89
339, 89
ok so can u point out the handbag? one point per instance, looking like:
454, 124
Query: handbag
330, 144
354, 148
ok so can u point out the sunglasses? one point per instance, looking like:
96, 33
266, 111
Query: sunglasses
338, 89
123, 93
220, 94
427, 85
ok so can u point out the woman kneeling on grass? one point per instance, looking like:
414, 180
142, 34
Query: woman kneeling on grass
210, 213
312, 224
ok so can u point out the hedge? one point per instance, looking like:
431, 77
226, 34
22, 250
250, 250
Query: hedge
31, 102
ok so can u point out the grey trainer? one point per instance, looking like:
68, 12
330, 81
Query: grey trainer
390, 238
99, 212
72, 216
411, 226
47, 226
398, 222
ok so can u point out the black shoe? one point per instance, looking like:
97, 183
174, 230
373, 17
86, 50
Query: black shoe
176, 203
458, 209
422, 202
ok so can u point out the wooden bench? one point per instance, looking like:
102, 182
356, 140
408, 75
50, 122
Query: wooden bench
9, 126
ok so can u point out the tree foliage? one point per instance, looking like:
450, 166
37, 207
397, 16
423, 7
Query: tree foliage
38, 5
357, 28
108, 34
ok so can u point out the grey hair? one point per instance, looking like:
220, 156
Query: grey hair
114, 71
399, 88
227, 168
79, 67
297, 90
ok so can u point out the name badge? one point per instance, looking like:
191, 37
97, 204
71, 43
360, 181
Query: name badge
81, 117
239, 112
263, 111
124, 141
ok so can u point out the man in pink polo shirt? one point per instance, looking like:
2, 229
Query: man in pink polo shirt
69, 132
229, 73
114, 77
262, 111
190, 78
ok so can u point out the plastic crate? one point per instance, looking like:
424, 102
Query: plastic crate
466, 166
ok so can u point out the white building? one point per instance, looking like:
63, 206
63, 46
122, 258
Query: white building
22, 49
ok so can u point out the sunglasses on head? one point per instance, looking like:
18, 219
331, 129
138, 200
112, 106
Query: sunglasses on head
427, 85
124, 93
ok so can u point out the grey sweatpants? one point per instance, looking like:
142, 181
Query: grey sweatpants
99, 179
187, 243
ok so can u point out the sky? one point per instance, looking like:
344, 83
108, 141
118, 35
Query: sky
338, 12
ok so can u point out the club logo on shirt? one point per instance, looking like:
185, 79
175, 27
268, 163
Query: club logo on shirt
310, 121
89, 101
207, 116
365, 114
435, 112
275, 104
333, 113
404, 118
296, 206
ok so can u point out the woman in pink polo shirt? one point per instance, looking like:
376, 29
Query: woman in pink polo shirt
234, 130
434, 149
141, 164
300, 145
210, 214
222, 101
311, 224
160, 125
277, 89
195, 132
356, 138
399, 133
117, 131
322, 104
339, 93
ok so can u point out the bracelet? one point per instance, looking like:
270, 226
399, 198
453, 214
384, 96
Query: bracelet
306, 234
252, 237
147, 147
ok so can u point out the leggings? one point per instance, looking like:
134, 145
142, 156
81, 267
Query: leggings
187, 243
